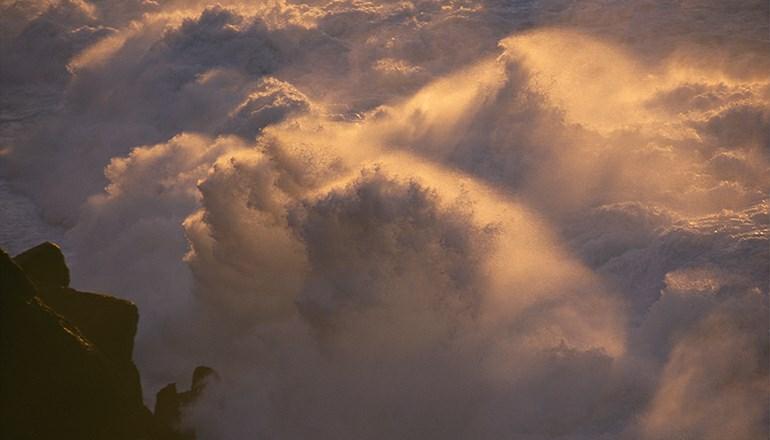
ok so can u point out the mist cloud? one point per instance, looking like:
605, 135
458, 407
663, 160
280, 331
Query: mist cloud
437, 219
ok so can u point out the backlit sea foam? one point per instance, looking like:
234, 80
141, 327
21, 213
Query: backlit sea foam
411, 219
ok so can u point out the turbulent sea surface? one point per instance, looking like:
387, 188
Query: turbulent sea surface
22, 227
411, 219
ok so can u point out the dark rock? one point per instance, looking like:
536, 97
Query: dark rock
107, 321
54, 381
65, 359
44, 265
169, 403
167, 406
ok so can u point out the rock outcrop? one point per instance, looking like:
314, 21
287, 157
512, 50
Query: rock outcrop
169, 403
66, 370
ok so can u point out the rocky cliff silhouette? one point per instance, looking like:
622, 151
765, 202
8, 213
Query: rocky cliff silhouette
65, 360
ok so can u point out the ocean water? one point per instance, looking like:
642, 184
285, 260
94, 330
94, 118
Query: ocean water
21, 225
